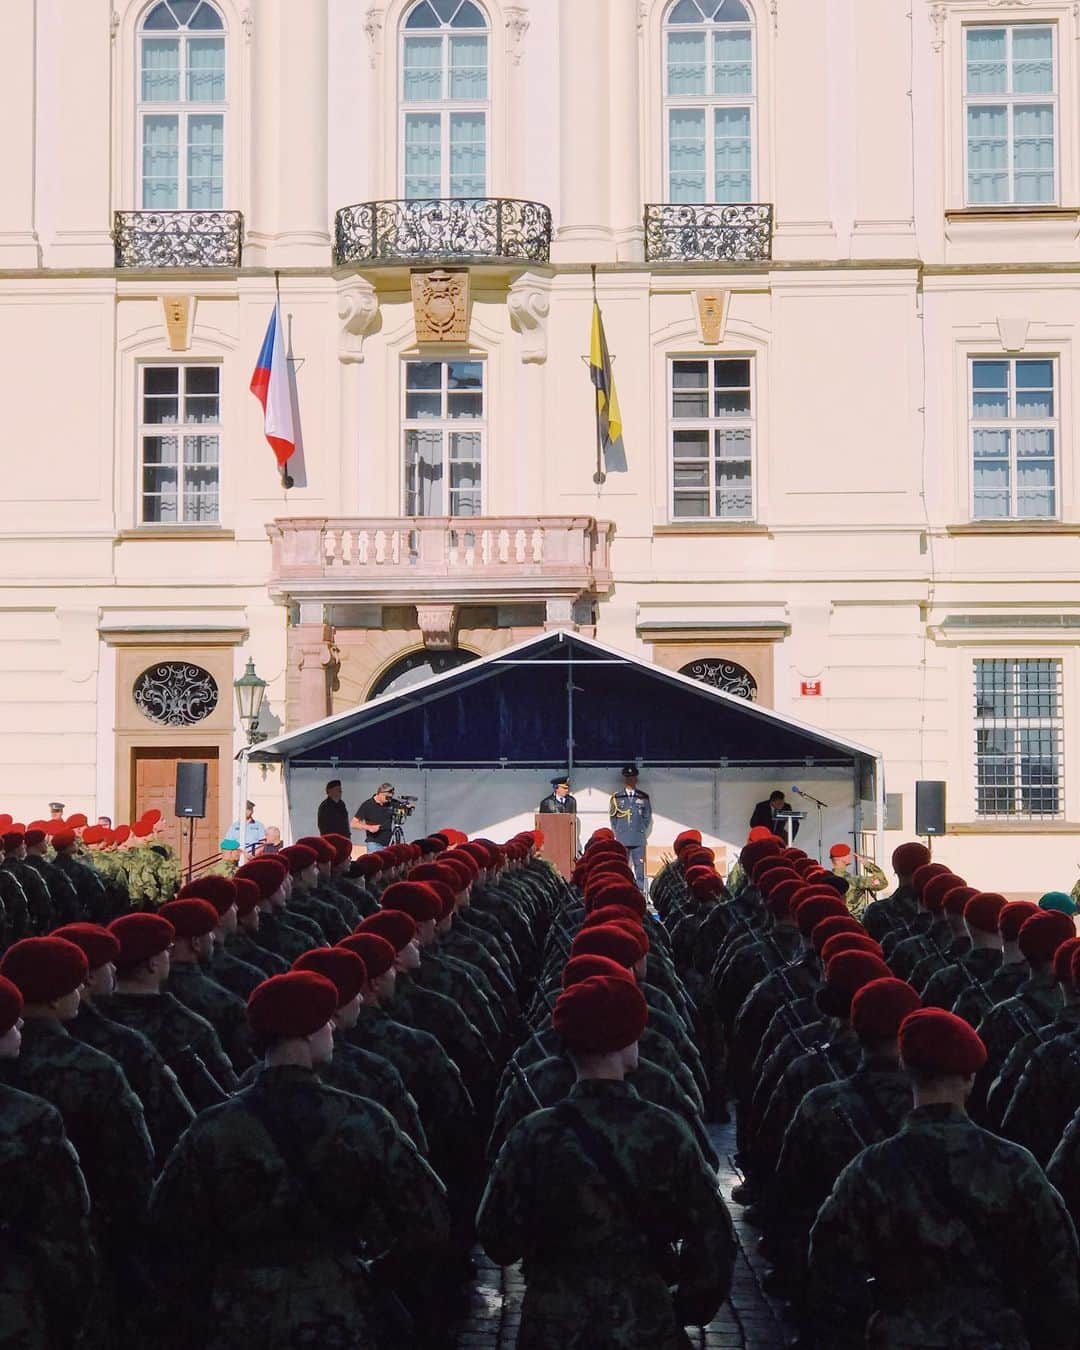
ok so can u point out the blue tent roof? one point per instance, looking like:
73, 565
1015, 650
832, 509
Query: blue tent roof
524, 705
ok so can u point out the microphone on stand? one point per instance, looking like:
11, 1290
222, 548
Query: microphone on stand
809, 797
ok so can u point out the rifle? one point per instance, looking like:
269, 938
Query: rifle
522, 1081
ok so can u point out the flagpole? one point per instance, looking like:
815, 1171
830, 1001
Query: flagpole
599, 477
286, 477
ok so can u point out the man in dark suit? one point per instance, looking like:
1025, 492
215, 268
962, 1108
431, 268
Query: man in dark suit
559, 802
765, 814
333, 817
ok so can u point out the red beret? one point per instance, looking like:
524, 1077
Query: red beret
44, 968
446, 896
463, 874
5, 821
12, 840
293, 1005
63, 839
792, 853
836, 923
34, 837
153, 815
580, 968
611, 914
342, 966
376, 953
879, 1007
815, 908
922, 875
761, 848
607, 940
685, 839
97, 944
956, 899
849, 971
760, 832
322, 848
1043, 934
415, 898
1012, 916
702, 887
342, 847
78, 821
937, 888
248, 895
983, 910
395, 925
698, 856
190, 918
840, 851
775, 876
141, 828
781, 895
141, 936
848, 942
907, 857
267, 874
11, 1005
477, 852
939, 1044
600, 1015
298, 857
772, 862
1063, 959
367, 865
94, 834
219, 891
616, 892
440, 871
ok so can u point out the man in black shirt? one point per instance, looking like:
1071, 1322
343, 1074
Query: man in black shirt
765, 814
333, 817
376, 816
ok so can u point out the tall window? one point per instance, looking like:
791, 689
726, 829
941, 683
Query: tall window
1014, 436
709, 101
181, 107
444, 100
712, 438
180, 444
1011, 113
1019, 731
444, 430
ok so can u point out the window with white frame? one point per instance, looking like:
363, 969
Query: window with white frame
1010, 110
712, 437
709, 101
180, 444
1019, 735
443, 437
181, 107
1014, 438
444, 100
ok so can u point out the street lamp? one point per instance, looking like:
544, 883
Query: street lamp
250, 692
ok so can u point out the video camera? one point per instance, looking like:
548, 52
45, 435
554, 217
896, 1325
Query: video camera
403, 806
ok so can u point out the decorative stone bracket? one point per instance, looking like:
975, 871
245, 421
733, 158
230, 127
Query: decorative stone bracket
438, 624
529, 303
358, 310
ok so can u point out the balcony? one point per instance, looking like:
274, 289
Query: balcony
452, 560
167, 239
679, 233
442, 230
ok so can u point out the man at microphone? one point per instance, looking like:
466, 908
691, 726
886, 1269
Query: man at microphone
765, 813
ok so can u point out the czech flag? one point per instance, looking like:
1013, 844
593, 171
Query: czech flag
270, 385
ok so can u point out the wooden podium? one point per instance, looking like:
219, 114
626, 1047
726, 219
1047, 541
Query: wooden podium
560, 839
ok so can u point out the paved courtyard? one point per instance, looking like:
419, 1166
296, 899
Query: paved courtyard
749, 1321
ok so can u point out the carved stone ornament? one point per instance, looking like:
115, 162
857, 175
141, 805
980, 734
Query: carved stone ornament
529, 303
175, 693
247, 22
938, 15
114, 25
179, 320
712, 313
517, 25
441, 306
438, 624
373, 27
358, 308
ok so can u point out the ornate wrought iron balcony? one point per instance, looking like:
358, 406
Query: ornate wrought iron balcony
443, 229
178, 238
677, 232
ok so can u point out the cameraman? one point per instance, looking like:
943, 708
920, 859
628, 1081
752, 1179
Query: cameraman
376, 816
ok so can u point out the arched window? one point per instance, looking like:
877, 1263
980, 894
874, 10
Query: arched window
444, 100
709, 101
181, 107
726, 675
419, 666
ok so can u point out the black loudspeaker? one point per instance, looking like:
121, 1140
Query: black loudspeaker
191, 788
929, 807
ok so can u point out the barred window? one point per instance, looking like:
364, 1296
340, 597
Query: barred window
712, 438
180, 444
1019, 732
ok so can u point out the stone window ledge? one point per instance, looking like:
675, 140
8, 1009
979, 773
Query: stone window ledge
1018, 527
1013, 827
177, 532
712, 527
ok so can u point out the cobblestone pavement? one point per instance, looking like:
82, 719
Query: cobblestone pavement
750, 1320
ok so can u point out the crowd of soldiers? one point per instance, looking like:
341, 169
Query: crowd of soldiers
282, 1107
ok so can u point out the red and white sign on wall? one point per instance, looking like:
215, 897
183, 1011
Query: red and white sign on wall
810, 688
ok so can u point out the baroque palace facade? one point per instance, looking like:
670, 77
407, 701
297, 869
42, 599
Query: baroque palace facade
836, 249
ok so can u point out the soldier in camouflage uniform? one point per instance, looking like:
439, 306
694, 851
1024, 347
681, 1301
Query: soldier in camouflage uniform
975, 1001
304, 900
967, 1244
225, 967
268, 1203
47, 1257
63, 897
194, 921
279, 930
168, 1112
865, 884
39, 905
592, 1194
981, 960
882, 916
187, 1042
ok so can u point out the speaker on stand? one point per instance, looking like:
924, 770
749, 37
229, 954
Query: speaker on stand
191, 799
929, 809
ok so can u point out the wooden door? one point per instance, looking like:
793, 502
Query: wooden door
153, 773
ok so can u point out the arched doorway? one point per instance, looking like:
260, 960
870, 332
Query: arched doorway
728, 676
418, 666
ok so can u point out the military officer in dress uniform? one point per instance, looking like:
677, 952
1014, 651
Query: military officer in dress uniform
559, 802
631, 820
